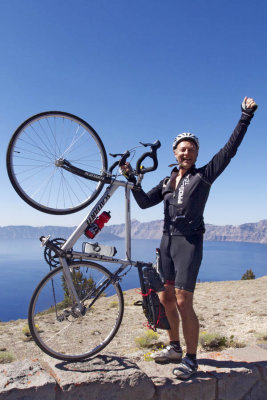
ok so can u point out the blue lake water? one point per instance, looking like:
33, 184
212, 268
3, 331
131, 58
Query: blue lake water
22, 266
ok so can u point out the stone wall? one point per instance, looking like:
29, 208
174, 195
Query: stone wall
231, 375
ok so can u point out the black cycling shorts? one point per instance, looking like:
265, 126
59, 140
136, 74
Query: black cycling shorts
181, 257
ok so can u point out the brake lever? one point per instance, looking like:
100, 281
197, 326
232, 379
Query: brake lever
146, 144
154, 146
120, 162
116, 155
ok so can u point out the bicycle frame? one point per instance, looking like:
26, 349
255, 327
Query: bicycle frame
79, 231
77, 292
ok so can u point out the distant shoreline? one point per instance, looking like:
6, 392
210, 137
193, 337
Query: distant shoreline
245, 233
115, 238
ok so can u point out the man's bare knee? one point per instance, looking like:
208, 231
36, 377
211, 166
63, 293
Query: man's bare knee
184, 300
168, 297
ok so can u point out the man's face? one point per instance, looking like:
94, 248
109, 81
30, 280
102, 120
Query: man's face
186, 154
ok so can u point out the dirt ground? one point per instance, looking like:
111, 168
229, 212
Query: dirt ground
236, 309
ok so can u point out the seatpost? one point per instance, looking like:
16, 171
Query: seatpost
141, 279
128, 249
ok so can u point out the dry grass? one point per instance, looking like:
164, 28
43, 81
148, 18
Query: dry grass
235, 310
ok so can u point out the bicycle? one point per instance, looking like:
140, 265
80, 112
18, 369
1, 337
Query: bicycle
45, 160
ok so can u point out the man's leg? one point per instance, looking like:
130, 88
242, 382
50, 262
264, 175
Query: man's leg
186, 252
173, 352
190, 322
168, 299
188, 365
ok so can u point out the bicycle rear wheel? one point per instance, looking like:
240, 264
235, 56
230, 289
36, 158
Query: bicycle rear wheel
33, 162
53, 323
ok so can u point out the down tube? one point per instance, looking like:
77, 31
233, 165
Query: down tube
78, 232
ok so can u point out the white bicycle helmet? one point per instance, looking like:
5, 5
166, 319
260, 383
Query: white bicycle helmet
185, 136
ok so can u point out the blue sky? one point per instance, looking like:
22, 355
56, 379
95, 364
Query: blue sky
139, 71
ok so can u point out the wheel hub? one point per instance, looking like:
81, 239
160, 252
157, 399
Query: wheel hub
59, 162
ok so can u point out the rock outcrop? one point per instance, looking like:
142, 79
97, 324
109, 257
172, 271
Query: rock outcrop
239, 374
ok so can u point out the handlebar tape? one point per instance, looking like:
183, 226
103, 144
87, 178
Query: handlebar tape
151, 154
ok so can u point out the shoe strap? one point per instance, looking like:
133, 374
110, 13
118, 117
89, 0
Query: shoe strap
188, 362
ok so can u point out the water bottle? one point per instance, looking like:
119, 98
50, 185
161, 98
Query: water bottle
97, 224
99, 249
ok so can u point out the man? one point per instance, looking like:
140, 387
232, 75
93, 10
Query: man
185, 194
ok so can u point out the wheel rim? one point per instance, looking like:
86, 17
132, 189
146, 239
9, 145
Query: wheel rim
35, 159
75, 338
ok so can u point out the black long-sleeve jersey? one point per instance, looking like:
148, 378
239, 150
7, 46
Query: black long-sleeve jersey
184, 206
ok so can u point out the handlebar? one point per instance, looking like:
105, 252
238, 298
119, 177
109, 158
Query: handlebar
140, 169
151, 154
120, 162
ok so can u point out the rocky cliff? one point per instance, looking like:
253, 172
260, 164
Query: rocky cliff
249, 232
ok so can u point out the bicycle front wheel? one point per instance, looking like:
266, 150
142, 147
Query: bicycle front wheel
34, 155
56, 326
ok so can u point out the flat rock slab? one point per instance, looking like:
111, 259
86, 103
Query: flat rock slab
240, 373
26, 380
168, 387
103, 377
228, 375
249, 354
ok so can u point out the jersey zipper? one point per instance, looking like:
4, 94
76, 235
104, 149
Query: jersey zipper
180, 182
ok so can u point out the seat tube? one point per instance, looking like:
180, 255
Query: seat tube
128, 249
141, 279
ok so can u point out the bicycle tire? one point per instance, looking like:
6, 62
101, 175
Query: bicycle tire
79, 337
33, 167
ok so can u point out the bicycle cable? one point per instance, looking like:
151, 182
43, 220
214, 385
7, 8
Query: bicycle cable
126, 272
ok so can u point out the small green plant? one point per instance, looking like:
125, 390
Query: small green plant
248, 275
212, 341
113, 304
261, 337
6, 357
215, 341
147, 356
234, 343
26, 330
147, 339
